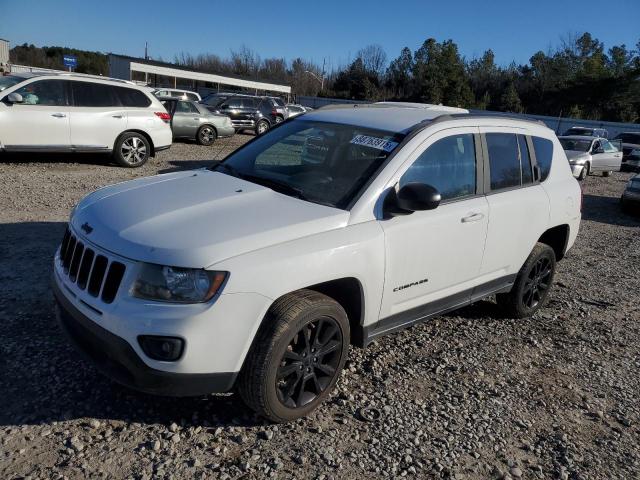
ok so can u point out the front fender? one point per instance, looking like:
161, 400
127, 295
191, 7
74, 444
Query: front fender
354, 251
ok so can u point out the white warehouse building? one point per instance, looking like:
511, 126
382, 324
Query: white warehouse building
160, 74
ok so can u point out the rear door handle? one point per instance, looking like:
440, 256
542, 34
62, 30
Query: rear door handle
58, 115
116, 116
474, 217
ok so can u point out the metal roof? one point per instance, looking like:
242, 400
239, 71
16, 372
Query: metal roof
171, 70
388, 116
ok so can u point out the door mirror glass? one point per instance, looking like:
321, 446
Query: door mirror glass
15, 98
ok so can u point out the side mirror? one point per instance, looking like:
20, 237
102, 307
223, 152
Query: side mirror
14, 97
411, 198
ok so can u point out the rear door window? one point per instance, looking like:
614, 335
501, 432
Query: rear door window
89, 94
525, 160
186, 107
504, 160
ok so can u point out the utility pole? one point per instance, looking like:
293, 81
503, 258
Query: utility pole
146, 54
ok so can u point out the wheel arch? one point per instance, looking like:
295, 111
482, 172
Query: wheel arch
557, 238
144, 134
349, 293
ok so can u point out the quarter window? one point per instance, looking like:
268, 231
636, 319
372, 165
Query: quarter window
44, 92
504, 160
544, 155
449, 165
130, 97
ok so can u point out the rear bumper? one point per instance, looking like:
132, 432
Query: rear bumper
115, 358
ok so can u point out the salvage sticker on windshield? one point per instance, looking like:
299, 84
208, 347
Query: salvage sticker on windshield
374, 142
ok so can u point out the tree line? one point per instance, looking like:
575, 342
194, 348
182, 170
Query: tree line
579, 78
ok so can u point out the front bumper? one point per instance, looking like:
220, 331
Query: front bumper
576, 170
115, 358
224, 132
630, 199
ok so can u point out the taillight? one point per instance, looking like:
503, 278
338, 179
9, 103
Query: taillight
274, 112
164, 116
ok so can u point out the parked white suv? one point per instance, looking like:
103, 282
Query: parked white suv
82, 113
335, 228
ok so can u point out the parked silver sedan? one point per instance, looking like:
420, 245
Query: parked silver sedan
192, 120
587, 155
295, 110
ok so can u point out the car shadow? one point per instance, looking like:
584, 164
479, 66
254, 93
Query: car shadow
103, 159
602, 209
43, 379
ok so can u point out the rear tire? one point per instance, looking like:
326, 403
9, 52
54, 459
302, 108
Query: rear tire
533, 283
206, 135
297, 356
131, 150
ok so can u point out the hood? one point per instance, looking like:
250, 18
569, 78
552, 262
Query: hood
196, 218
577, 155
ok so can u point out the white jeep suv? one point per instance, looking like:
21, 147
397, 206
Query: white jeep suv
81, 113
334, 228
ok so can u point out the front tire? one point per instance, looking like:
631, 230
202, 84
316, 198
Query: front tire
131, 150
533, 283
206, 135
262, 127
297, 356
584, 172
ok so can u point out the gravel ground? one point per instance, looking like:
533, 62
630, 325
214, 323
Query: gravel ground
467, 395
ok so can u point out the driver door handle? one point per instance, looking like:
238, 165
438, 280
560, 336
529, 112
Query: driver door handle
58, 115
473, 217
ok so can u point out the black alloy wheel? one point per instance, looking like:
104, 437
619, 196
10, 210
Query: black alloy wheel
537, 283
310, 362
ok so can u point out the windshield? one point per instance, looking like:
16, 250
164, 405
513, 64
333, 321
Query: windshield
576, 145
629, 137
324, 163
9, 81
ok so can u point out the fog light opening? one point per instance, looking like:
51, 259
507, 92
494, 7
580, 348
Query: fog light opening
166, 349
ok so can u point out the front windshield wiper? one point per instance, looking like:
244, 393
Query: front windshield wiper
276, 185
265, 182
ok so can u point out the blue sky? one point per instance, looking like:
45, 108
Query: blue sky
314, 30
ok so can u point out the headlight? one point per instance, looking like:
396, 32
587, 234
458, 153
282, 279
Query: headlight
635, 152
178, 285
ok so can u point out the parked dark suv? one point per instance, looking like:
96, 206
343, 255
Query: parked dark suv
246, 112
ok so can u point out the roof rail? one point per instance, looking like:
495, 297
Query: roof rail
507, 116
97, 77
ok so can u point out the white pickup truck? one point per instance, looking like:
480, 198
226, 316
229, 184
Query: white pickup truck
331, 230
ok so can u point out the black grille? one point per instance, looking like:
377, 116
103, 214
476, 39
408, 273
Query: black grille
89, 270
